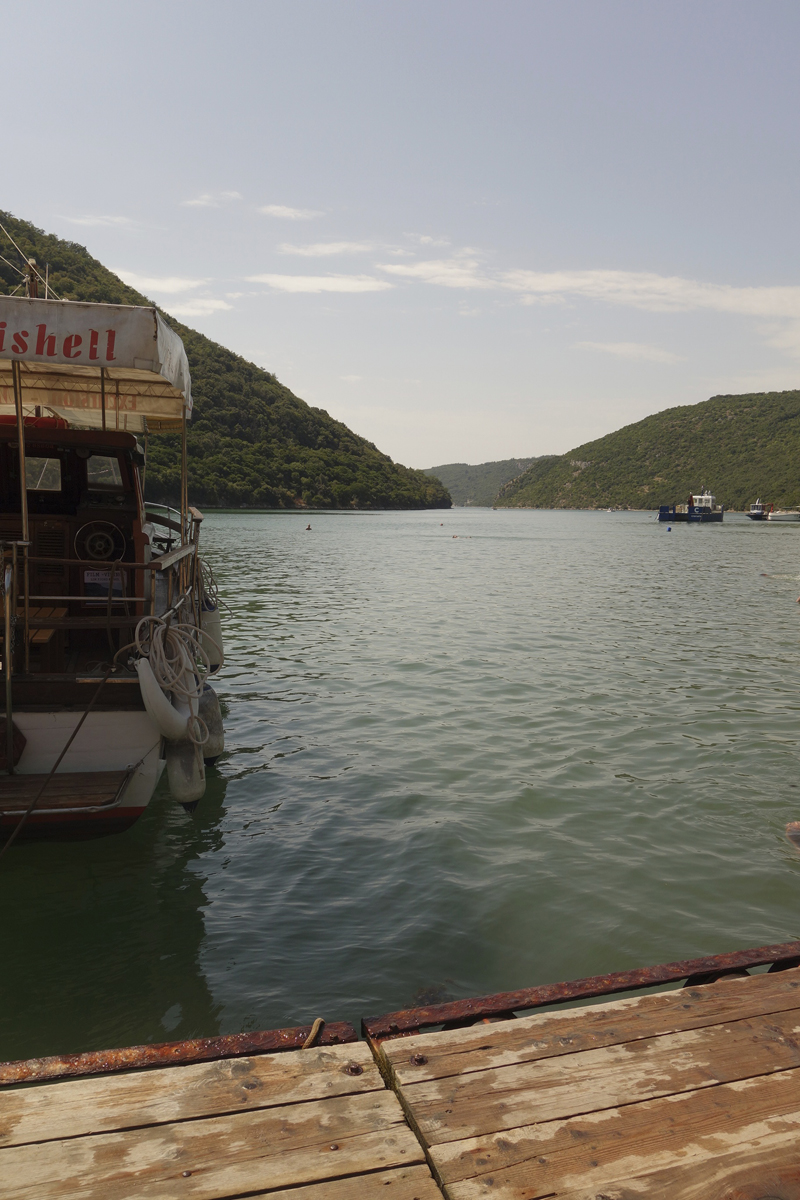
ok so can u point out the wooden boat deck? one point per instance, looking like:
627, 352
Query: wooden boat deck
690, 1094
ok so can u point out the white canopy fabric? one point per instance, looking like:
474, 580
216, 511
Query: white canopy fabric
71, 353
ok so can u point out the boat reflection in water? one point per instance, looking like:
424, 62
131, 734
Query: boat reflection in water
111, 934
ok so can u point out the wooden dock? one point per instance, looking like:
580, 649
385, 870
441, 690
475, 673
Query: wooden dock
688, 1094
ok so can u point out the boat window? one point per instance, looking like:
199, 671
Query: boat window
43, 474
102, 471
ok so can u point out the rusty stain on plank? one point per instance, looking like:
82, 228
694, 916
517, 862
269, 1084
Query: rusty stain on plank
131, 1058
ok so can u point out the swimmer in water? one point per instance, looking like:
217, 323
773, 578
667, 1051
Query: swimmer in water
793, 833
307, 528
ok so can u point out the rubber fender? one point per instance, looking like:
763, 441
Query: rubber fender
212, 644
186, 771
210, 713
168, 720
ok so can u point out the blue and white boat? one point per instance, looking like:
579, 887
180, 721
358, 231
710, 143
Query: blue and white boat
701, 507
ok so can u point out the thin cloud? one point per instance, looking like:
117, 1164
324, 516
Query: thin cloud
426, 240
324, 249
211, 199
643, 290
199, 307
321, 283
444, 272
168, 285
108, 221
285, 213
657, 293
631, 350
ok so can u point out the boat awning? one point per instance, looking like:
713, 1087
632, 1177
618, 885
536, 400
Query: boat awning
74, 356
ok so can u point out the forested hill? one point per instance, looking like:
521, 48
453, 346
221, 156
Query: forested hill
478, 485
740, 447
252, 443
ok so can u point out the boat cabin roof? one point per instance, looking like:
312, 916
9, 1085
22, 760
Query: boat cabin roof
93, 365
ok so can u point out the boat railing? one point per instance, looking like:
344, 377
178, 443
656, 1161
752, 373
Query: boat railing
165, 584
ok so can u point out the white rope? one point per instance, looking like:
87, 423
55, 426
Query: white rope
179, 663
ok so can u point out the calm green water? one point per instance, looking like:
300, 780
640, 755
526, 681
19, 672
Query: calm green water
558, 744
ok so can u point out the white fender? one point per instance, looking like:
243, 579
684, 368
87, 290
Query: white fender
170, 722
186, 772
211, 715
212, 636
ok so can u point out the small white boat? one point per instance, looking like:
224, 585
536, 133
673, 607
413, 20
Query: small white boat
759, 511
784, 514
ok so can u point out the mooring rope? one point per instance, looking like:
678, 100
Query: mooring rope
315, 1031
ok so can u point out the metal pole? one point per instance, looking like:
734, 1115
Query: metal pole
184, 480
8, 575
103, 395
23, 492
23, 483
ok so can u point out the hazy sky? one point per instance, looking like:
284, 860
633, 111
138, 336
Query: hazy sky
471, 230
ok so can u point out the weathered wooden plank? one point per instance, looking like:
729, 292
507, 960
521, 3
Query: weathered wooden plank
414, 1183
767, 1168
69, 789
138, 1098
508, 1097
542, 1159
546, 1035
208, 1159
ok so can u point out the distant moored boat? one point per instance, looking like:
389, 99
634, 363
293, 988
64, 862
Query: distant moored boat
784, 514
701, 507
759, 511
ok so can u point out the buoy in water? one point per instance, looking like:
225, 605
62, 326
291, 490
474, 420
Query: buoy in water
209, 712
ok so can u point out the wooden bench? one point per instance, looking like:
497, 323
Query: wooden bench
47, 638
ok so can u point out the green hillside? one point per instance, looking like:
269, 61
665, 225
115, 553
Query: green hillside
471, 485
252, 443
740, 447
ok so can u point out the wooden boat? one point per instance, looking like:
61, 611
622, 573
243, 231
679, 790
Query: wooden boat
104, 655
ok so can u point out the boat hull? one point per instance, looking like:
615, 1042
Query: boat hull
693, 516
785, 518
103, 784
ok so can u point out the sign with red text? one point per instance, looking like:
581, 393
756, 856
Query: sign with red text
114, 336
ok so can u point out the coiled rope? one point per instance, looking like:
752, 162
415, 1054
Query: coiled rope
178, 662
209, 588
